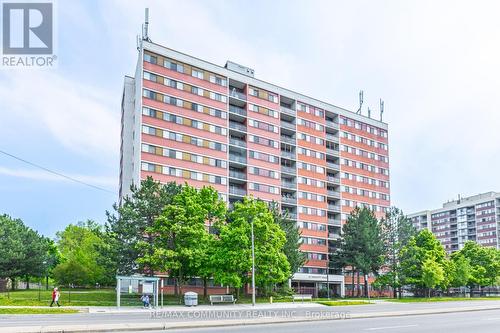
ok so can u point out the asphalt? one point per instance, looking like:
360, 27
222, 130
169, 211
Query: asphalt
473, 322
130, 319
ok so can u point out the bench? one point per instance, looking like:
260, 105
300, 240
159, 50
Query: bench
222, 299
302, 297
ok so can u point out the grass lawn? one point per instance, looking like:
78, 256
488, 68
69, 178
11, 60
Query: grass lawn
344, 303
442, 299
35, 311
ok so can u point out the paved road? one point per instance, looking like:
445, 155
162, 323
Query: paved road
178, 314
469, 322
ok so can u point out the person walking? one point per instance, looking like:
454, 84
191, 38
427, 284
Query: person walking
55, 297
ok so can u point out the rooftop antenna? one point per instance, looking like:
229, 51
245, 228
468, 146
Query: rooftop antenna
381, 109
360, 101
145, 26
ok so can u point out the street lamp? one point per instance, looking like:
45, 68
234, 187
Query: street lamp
253, 260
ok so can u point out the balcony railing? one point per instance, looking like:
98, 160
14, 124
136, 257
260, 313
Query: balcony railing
237, 190
287, 110
288, 154
237, 174
334, 208
334, 180
332, 151
332, 193
334, 221
237, 126
238, 158
331, 137
237, 110
237, 94
289, 199
332, 124
288, 169
291, 216
288, 184
332, 165
287, 139
237, 142
333, 236
288, 125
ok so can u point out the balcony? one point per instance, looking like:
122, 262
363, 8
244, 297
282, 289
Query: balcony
334, 222
286, 124
237, 190
289, 170
237, 110
237, 126
332, 124
287, 110
237, 174
288, 154
237, 142
291, 216
332, 151
332, 165
332, 179
332, 138
333, 236
238, 158
288, 139
334, 208
236, 93
288, 184
332, 193
289, 199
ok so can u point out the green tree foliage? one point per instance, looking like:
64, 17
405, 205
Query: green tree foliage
81, 262
232, 257
181, 245
397, 230
424, 246
361, 246
296, 258
459, 270
133, 219
432, 274
22, 250
484, 264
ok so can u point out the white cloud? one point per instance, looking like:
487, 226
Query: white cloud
40, 175
78, 116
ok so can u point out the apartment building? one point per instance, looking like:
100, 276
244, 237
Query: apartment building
475, 218
187, 120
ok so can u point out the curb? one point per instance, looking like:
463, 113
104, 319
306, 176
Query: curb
225, 323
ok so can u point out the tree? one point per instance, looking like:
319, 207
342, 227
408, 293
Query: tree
296, 258
81, 261
432, 274
361, 246
460, 271
133, 219
232, 257
484, 264
420, 248
182, 238
22, 250
397, 230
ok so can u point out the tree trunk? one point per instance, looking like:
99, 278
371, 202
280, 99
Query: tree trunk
205, 287
352, 282
237, 292
366, 285
27, 283
46, 282
358, 291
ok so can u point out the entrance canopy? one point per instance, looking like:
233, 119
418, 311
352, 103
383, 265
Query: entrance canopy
139, 285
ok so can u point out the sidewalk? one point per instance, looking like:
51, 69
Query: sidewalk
285, 313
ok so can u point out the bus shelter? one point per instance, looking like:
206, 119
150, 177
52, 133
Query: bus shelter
137, 285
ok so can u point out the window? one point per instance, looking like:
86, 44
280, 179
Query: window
196, 73
150, 58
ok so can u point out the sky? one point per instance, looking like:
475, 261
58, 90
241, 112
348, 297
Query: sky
434, 63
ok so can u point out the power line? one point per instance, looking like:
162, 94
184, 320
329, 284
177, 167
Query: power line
56, 173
